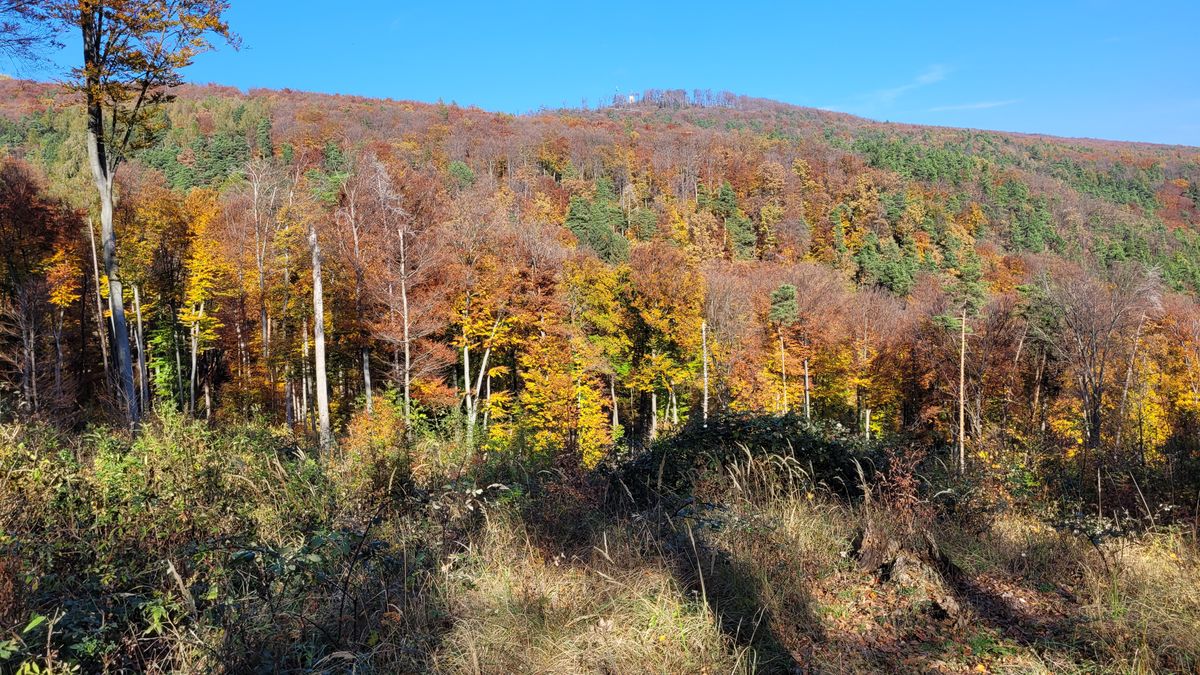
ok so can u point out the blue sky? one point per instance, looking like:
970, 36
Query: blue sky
1095, 68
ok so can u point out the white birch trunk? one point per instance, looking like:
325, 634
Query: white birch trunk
322, 396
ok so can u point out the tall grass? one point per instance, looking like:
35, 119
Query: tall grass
198, 549
615, 609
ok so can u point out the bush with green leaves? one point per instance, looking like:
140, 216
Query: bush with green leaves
672, 467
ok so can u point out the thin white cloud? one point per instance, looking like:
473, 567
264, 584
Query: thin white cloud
879, 101
931, 75
981, 105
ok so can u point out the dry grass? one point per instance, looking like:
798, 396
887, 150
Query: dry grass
1129, 605
755, 573
618, 611
1145, 605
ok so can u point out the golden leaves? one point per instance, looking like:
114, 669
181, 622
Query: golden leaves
62, 275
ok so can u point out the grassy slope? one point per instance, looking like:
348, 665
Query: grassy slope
290, 562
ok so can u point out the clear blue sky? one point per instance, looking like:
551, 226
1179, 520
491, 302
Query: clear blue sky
1098, 68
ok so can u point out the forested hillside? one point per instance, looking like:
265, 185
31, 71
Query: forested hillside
558, 279
347, 311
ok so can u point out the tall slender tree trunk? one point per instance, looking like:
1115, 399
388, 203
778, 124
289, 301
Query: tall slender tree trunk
83, 356
366, 375
289, 368
473, 413
101, 329
704, 368
260, 255
612, 395
101, 169
653, 415
319, 341
58, 356
397, 376
783, 370
962, 396
1094, 411
473, 392
404, 320
178, 366
360, 314
467, 387
289, 405
487, 403
807, 394
144, 367
26, 322
266, 349
1137, 342
33, 374
1012, 380
1035, 409
243, 357
304, 405
193, 375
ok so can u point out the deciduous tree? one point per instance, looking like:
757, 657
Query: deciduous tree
132, 53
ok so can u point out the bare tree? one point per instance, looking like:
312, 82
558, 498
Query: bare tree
21, 34
1089, 321
871, 317
819, 296
355, 220
265, 184
21, 319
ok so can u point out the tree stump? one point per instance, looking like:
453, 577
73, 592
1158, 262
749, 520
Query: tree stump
918, 564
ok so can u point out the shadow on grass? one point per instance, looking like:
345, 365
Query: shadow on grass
760, 600
737, 595
1062, 637
570, 518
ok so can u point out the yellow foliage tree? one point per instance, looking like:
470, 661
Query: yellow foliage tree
207, 274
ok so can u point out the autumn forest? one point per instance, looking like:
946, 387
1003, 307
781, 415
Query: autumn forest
683, 382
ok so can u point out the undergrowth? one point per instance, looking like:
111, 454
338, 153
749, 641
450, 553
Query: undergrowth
191, 548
